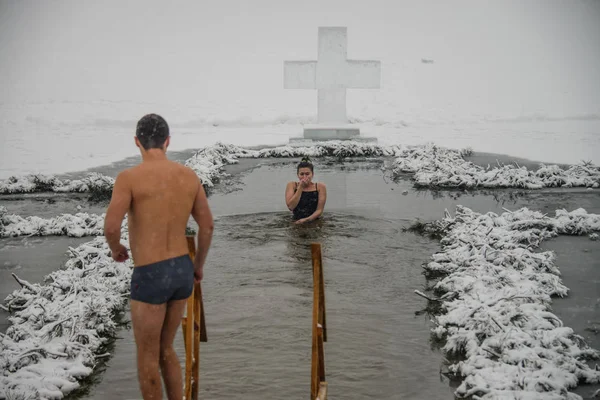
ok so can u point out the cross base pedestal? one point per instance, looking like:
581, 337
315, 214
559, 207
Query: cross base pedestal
331, 133
328, 136
320, 133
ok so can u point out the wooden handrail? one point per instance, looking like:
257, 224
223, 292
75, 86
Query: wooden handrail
194, 332
318, 385
317, 258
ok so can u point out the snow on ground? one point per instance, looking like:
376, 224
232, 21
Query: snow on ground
495, 293
43, 183
78, 225
432, 166
438, 167
58, 329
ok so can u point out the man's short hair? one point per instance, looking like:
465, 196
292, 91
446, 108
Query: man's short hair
152, 131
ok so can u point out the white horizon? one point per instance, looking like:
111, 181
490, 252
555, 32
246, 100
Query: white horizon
75, 74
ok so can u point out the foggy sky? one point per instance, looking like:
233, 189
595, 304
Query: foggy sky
511, 55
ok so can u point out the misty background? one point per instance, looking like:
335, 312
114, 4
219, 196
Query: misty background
72, 69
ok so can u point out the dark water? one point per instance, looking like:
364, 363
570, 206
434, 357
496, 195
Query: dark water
579, 262
258, 300
258, 286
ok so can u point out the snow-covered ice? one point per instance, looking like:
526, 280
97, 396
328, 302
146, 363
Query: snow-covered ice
495, 293
439, 167
43, 183
432, 166
78, 225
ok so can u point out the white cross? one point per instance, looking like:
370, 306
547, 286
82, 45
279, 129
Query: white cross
332, 74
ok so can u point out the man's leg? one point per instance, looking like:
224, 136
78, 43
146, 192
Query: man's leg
169, 362
147, 320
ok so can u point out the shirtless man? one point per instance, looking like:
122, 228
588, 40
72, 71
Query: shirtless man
158, 196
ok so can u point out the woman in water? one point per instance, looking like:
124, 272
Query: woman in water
304, 198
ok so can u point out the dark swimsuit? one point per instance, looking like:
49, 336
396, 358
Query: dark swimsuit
166, 280
307, 204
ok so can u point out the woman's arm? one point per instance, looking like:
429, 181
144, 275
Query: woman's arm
292, 195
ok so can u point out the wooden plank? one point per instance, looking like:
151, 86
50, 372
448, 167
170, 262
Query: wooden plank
198, 289
318, 265
190, 360
189, 338
314, 372
197, 323
203, 335
183, 327
321, 355
322, 391
322, 313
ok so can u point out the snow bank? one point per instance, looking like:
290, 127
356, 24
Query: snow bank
495, 294
208, 162
338, 148
439, 167
78, 225
94, 182
432, 166
58, 330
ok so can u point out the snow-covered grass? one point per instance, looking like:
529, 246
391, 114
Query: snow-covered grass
494, 296
78, 225
97, 184
438, 167
431, 166
208, 162
58, 330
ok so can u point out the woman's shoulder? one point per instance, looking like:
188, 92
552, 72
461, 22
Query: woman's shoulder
320, 185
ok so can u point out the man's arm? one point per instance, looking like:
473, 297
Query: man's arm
118, 207
203, 217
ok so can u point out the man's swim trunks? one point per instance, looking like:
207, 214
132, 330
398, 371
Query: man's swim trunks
166, 280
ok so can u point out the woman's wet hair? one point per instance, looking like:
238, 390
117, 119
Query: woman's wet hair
305, 163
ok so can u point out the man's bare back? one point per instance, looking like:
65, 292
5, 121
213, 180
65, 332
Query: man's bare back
158, 196
163, 194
